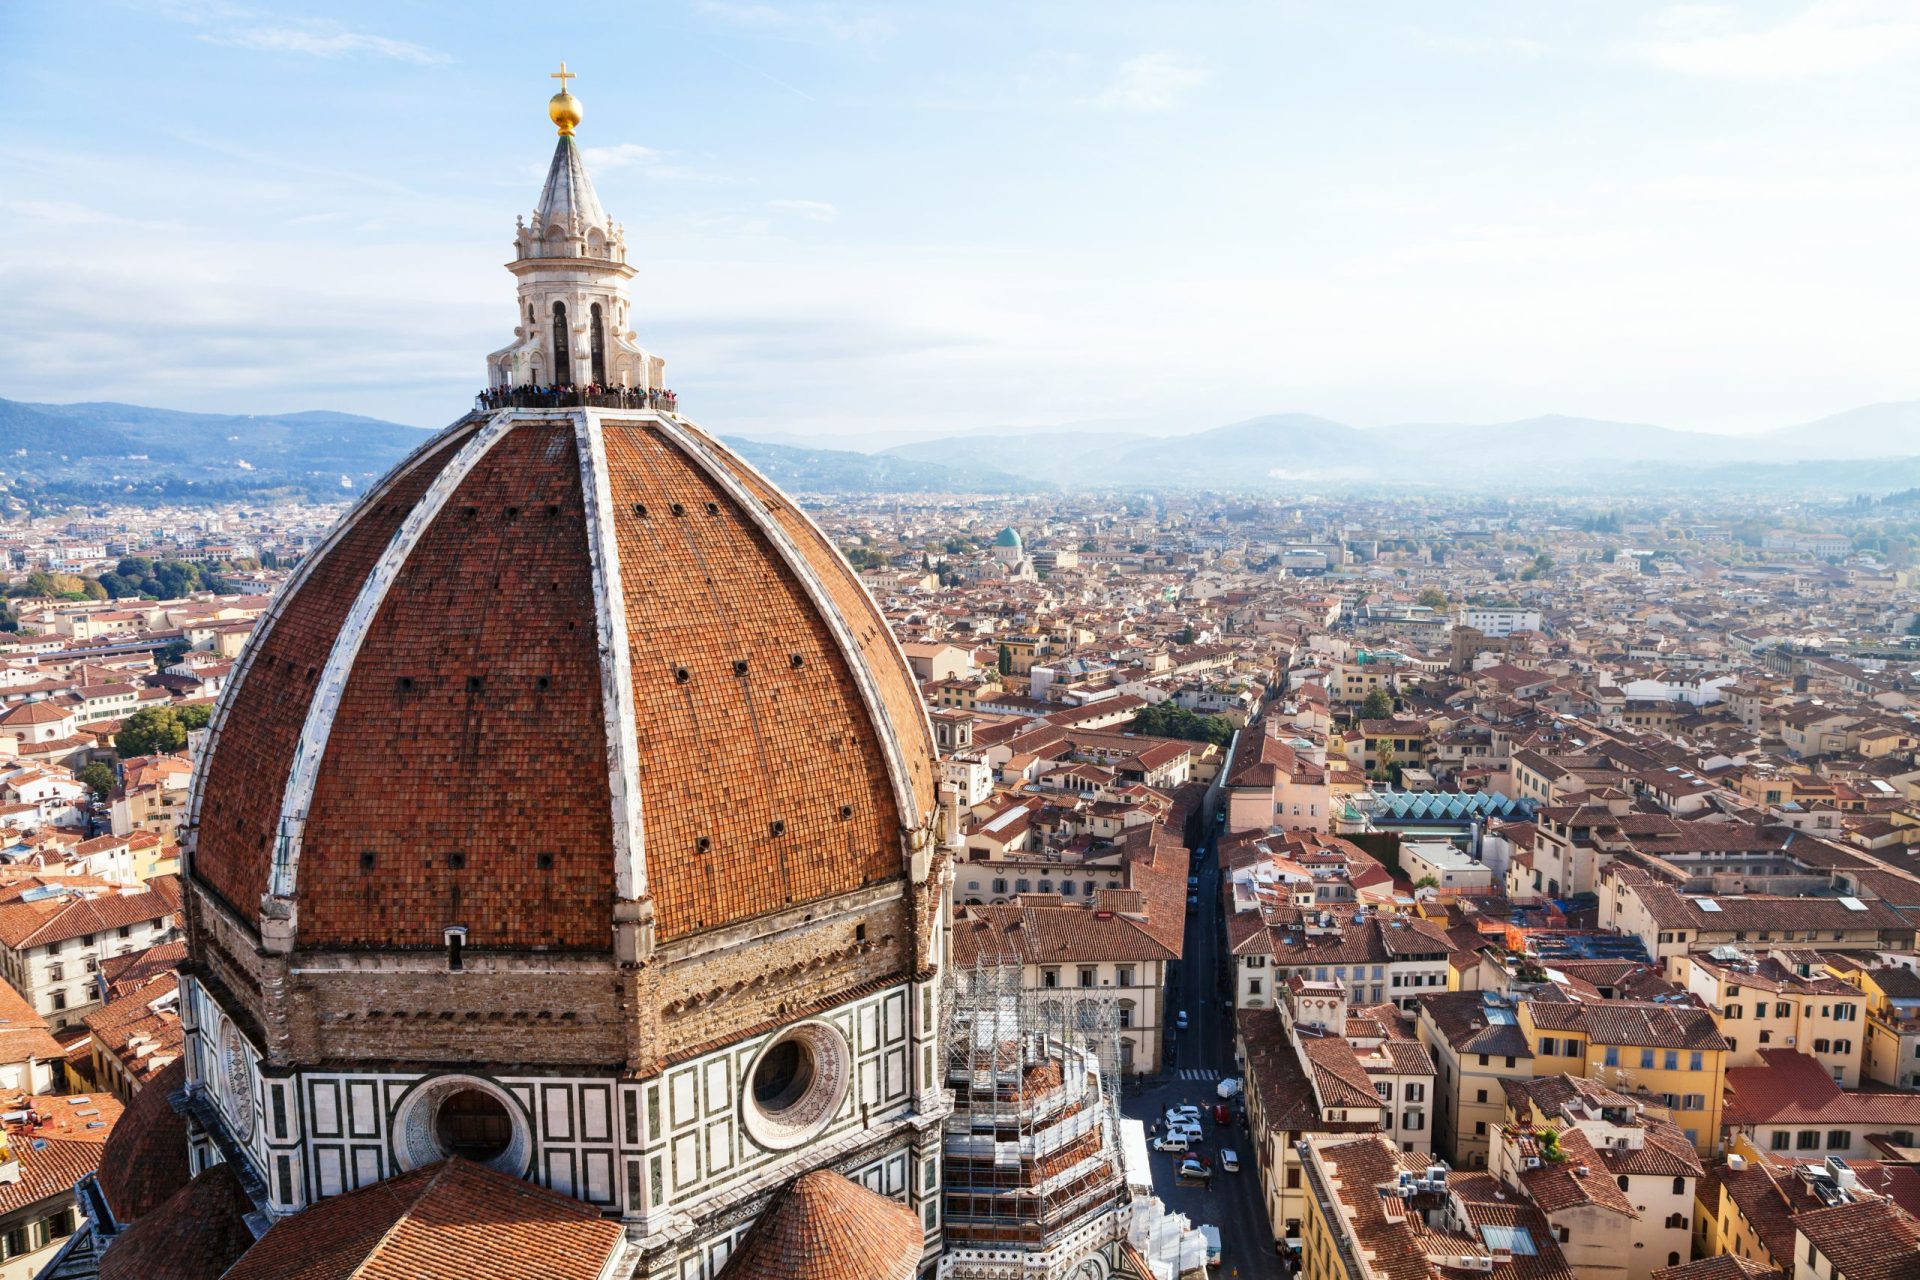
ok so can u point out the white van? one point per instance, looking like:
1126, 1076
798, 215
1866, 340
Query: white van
1172, 1142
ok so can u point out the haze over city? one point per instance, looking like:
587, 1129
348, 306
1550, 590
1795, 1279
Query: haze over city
763, 640
866, 222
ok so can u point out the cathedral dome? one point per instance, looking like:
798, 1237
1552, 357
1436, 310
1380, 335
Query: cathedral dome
560, 670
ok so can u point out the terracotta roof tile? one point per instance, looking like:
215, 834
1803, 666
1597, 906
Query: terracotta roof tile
265, 705
449, 1221
196, 1234
823, 1227
145, 1159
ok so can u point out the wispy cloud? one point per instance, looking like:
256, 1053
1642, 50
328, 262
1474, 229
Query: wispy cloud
1152, 82
1827, 37
323, 40
652, 161
623, 155
816, 210
799, 21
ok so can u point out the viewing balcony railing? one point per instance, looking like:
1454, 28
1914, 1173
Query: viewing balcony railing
531, 397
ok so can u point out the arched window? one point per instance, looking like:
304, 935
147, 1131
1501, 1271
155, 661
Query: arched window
599, 340
1679, 1186
1673, 1259
562, 354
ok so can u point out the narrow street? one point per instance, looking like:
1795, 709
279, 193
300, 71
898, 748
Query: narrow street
1200, 1057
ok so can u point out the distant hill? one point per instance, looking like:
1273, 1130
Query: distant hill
62, 454
104, 452
1276, 449
1873, 431
1051, 457
845, 471
100, 452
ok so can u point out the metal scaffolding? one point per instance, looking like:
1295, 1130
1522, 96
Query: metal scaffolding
1032, 1147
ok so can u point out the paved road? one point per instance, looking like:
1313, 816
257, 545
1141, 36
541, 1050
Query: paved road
1201, 1055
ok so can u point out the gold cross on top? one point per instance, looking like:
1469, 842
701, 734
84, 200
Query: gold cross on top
563, 75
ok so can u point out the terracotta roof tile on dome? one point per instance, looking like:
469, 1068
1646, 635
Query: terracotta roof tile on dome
145, 1157
498, 751
45, 711
449, 1221
705, 590
778, 741
196, 1234
822, 1227
261, 715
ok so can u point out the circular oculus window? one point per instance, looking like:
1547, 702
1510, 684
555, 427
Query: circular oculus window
461, 1116
795, 1085
236, 1081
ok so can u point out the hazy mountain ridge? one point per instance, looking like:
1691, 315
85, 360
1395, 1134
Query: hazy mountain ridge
847, 471
104, 452
1555, 449
99, 452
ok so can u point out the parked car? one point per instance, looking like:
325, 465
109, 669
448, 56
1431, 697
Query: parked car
1172, 1142
1192, 1170
1191, 1132
1185, 1113
1193, 882
1229, 1159
1221, 1115
1180, 1020
1193, 903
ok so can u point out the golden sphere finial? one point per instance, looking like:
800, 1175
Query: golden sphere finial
563, 108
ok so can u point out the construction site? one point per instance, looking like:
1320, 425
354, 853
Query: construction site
1044, 1177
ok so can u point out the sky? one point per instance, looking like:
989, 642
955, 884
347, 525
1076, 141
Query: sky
856, 221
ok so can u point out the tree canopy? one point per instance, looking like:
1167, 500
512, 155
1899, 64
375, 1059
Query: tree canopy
1377, 705
161, 580
1170, 721
99, 779
158, 730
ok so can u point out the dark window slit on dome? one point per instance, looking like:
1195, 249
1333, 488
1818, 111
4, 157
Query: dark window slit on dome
703, 845
713, 508
678, 510
403, 684
544, 861
553, 510
681, 675
457, 861
476, 683
543, 683
640, 510
469, 513
777, 827
367, 859
740, 666
846, 811
513, 513
796, 661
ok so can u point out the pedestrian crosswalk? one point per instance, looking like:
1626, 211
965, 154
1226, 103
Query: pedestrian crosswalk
1197, 1073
